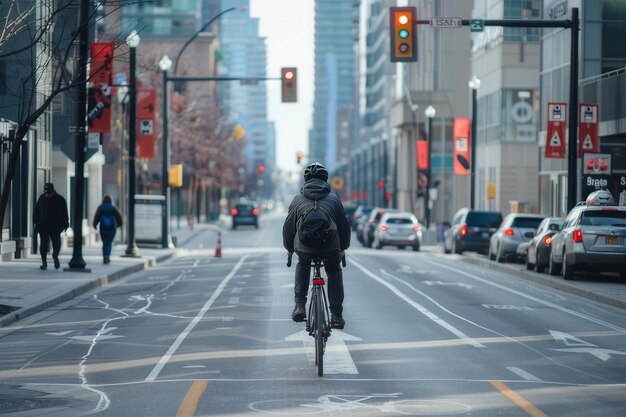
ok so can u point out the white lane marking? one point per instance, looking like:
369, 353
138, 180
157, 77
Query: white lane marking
577, 345
419, 307
233, 300
236, 290
459, 284
522, 373
60, 333
337, 358
181, 337
530, 297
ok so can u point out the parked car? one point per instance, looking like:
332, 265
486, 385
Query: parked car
471, 230
592, 238
399, 229
245, 214
372, 223
350, 209
361, 223
538, 252
515, 229
358, 213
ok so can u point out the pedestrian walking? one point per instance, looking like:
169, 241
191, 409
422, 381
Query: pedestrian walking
50, 219
109, 218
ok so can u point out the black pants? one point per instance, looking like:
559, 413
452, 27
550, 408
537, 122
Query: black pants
332, 265
44, 238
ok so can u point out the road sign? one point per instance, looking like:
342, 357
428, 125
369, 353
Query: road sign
588, 128
477, 25
446, 22
555, 140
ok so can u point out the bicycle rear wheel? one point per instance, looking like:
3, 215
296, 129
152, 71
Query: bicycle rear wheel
319, 334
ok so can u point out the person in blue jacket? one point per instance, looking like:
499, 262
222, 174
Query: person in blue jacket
109, 218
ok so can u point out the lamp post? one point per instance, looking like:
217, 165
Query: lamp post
473, 84
166, 239
133, 42
430, 113
122, 99
77, 263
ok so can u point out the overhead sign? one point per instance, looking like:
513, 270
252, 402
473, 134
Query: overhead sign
446, 22
477, 25
461, 131
588, 128
555, 139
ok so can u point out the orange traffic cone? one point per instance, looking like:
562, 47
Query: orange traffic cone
218, 247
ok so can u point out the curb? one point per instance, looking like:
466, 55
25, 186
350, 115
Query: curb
88, 286
561, 285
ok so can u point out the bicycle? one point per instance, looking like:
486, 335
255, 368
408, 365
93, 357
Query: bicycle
318, 317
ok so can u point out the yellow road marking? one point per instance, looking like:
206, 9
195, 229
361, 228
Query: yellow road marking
518, 400
189, 404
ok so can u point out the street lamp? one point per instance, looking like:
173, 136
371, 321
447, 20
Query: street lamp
133, 42
473, 84
122, 99
166, 240
430, 113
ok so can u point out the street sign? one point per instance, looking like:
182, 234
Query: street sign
477, 25
555, 140
446, 22
588, 128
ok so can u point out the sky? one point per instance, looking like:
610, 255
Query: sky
288, 26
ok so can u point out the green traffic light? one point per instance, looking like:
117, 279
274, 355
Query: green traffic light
403, 33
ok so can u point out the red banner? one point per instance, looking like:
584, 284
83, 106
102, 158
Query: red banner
146, 103
588, 128
462, 143
99, 90
557, 123
422, 154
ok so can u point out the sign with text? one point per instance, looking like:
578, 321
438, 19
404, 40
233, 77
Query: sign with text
99, 87
146, 103
461, 132
557, 123
588, 128
446, 22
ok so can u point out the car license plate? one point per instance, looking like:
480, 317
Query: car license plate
612, 240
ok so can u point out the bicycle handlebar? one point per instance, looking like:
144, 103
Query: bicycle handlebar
343, 260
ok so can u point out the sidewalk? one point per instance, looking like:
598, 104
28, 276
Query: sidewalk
25, 289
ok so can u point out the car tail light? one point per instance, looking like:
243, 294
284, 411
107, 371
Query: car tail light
417, 229
463, 231
547, 240
255, 212
233, 212
372, 221
509, 232
578, 236
383, 228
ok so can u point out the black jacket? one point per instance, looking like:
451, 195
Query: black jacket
50, 215
316, 189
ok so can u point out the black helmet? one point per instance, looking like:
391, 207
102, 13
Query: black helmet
316, 170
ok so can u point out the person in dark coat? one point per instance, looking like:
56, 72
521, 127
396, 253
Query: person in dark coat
109, 218
316, 188
50, 219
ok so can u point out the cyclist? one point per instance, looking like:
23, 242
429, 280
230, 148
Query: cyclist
316, 192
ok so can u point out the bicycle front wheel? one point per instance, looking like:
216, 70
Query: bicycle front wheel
319, 335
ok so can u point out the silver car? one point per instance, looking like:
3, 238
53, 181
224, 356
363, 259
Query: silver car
399, 229
538, 252
514, 229
592, 238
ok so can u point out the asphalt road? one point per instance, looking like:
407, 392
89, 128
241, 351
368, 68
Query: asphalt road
426, 335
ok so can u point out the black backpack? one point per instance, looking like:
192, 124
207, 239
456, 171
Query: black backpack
316, 229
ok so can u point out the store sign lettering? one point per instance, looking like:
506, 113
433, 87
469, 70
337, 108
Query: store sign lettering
599, 182
622, 180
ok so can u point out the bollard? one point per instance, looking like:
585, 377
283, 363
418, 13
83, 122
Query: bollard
218, 247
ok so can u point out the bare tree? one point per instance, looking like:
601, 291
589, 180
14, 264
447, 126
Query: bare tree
40, 38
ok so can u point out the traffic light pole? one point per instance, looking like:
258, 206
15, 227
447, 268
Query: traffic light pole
574, 25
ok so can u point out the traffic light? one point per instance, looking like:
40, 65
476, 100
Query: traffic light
299, 156
403, 34
289, 81
261, 169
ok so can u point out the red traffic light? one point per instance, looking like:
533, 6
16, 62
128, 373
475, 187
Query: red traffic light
289, 83
261, 169
299, 155
381, 184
